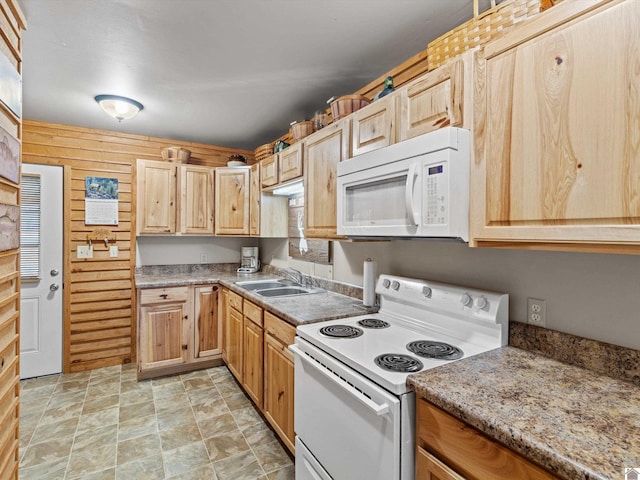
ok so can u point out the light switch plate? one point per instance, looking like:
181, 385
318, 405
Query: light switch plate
85, 251
113, 251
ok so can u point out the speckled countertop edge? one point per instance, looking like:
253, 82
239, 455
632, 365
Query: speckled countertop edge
573, 422
296, 310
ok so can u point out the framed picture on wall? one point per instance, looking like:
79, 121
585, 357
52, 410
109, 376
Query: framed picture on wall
9, 227
10, 86
9, 156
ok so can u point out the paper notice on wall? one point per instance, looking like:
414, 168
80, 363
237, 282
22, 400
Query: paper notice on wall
101, 201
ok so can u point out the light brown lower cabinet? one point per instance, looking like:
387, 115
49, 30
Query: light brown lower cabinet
256, 351
278, 377
178, 330
448, 449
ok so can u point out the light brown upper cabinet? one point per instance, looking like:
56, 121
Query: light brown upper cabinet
322, 152
374, 126
254, 200
290, 162
557, 156
174, 198
269, 171
268, 214
432, 101
232, 200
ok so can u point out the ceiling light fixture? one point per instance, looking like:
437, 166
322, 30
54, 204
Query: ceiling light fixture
120, 108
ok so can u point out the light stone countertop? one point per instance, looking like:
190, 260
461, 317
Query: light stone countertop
295, 309
572, 421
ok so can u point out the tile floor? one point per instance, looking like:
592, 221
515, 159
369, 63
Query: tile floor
104, 424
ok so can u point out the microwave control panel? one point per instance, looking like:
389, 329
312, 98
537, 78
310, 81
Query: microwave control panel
436, 194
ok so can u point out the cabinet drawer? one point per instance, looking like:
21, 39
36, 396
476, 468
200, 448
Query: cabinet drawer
468, 451
253, 312
279, 328
235, 301
163, 295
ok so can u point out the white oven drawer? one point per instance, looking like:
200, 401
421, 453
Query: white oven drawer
351, 426
307, 467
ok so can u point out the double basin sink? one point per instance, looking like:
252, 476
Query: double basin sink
277, 288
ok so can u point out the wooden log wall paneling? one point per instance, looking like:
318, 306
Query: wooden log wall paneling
12, 22
99, 293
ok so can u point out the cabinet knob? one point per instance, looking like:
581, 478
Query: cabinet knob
184, 346
164, 296
214, 289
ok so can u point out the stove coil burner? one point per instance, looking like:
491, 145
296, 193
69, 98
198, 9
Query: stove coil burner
373, 323
397, 362
433, 349
341, 331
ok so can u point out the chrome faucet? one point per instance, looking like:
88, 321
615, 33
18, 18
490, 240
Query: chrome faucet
295, 275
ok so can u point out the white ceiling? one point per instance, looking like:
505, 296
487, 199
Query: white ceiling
224, 72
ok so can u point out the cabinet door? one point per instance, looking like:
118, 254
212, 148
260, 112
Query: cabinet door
269, 171
196, 199
254, 200
558, 164
233, 338
156, 197
224, 308
322, 152
290, 163
163, 336
278, 392
374, 126
433, 101
207, 331
253, 361
232, 201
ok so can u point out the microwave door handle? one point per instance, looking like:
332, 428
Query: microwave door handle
411, 175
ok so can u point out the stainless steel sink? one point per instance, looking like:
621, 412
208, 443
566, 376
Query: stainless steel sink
277, 288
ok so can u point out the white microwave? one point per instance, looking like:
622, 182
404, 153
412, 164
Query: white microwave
416, 188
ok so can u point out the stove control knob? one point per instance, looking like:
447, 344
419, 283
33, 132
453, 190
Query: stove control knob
426, 291
466, 300
386, 282
395, 285
481, 303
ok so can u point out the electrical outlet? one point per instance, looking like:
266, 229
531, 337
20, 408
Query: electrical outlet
85, 251
113, 251
537, 311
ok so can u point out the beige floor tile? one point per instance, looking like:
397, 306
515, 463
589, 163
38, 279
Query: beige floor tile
132, 397
180, 435
137, 427
72, 386
156, 382
138, 448
286, 473
212, 427
48, 380
53, 470
258, 434
127, 412
108, 474
197, 383
246, 417
201, 473
203, 395
62, 412
185, 458
226, 445
97, 420
195, 374
135, 386
272, 456
228, 388
47, 452
91, 460
219, 373
103, 389
95, 403
97, 438
71, 377
238, 401
167, 404
170, 419
244, 466
167, 390
36, 393
113, 371
212, 408
53, 431
150, 468
62, 399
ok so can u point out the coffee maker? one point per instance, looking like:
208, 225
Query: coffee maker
249, 261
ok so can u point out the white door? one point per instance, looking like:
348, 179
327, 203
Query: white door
41, 271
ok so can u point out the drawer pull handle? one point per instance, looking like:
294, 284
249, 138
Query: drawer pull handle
164, 296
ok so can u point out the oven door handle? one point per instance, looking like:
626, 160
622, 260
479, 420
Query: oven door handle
411, 175
379, 410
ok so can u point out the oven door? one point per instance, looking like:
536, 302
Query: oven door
351, 426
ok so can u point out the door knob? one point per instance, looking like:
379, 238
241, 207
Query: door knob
54, 272
53, 287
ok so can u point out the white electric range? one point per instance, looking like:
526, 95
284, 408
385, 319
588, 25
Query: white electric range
354, 415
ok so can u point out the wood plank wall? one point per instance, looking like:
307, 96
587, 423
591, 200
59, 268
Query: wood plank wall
12, 22
99, 294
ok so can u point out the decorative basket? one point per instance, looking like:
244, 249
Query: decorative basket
175, 154
263, 151
299, 130
482, 28
347, 104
